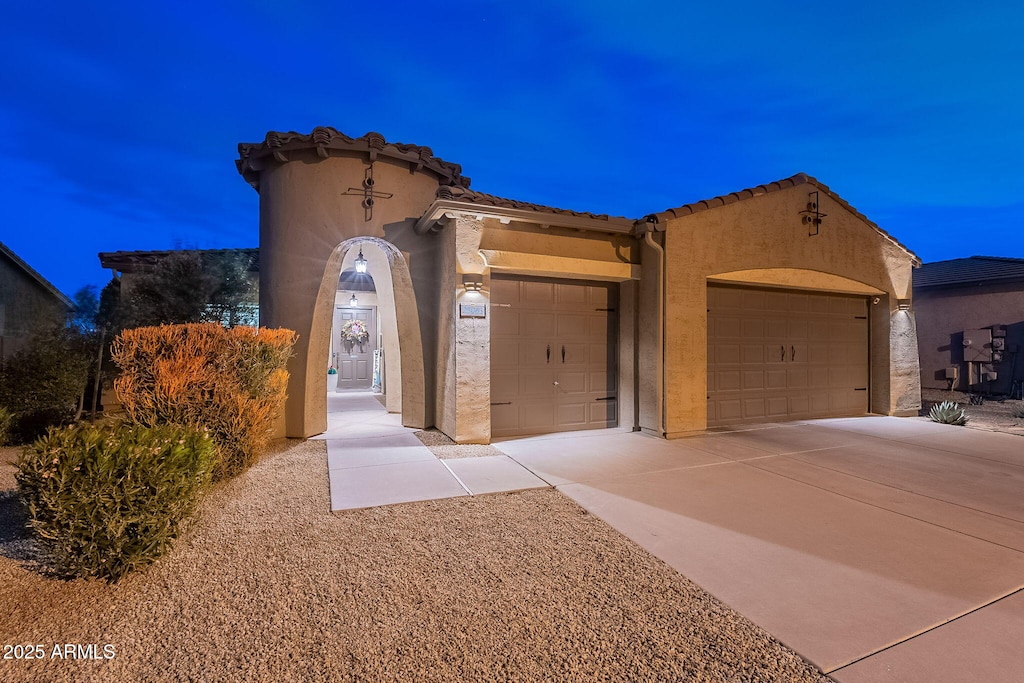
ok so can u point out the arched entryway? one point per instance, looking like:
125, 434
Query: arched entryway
395, 316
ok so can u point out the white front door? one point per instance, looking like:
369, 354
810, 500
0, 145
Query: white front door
354, 359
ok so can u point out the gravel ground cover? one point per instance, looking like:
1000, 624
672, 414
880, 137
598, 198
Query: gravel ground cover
269, 586
441, 445
994, 415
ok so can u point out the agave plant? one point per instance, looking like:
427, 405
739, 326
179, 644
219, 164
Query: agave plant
948, 413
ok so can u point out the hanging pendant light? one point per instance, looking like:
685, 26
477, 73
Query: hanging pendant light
353, 301
360, 262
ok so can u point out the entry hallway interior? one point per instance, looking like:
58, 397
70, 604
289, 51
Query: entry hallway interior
878, 548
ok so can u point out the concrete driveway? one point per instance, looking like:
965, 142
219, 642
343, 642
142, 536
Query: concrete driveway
880, 549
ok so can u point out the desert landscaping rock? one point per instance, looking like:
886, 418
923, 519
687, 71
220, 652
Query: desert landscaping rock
446, 449
270, 586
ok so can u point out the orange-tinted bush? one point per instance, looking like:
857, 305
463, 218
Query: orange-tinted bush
230, 381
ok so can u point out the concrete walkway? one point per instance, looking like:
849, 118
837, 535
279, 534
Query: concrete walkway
880, 549
373, 460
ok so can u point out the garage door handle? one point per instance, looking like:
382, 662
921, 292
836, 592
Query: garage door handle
792, 353
563, 353
503, 403
782, 351
549, 354
606, 398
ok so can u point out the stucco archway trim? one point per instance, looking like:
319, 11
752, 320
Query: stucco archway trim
796, 278
394, 282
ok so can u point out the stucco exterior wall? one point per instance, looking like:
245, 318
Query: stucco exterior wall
305, 216
25, 306
763, 234
944, 313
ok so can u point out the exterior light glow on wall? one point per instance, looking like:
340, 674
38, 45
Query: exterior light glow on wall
360, 263
472, 282
353, 301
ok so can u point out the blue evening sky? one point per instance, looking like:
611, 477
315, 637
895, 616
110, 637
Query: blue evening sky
121, 119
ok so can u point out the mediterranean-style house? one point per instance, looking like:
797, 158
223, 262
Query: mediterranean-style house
971, 324
490, 317
27, 301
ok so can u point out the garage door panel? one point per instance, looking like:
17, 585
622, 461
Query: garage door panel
533, 324
543, 392
776, 301
728, 328
536, 384
753, 408
505, 354
504, 322
752, 329
572, 414
753, 354
504, 385
534, 293
528, 353
601, 383
810, 356
571, 296
504, 291
728, 380
572, 325
571, 382
776, 378
602, 413
753, 379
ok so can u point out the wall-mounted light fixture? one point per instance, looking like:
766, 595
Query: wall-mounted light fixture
360, 262
473, 282
353, 301
875, 301
903, 304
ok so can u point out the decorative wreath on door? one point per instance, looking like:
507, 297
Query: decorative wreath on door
354, 332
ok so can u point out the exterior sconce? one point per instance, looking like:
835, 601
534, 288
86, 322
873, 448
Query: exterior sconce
353, 301
360, 264
903, 304
472, 282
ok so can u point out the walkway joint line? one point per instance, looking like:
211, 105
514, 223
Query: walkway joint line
461, 483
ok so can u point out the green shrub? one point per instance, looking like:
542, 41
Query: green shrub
41, 385
231, 382
949, 413
109, 499
5, 425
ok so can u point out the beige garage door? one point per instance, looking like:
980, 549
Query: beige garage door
552, 355
785, 355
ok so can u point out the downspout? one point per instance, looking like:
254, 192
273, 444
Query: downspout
651, 223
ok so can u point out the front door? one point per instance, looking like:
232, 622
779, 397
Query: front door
354, 357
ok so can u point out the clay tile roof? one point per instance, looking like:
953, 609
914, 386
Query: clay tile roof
785, 183
136, 261
462, 194
975, 270
31, 272
276, 148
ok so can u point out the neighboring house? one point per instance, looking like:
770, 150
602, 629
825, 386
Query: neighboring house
127, 265
970, 324
499, 317
27, 302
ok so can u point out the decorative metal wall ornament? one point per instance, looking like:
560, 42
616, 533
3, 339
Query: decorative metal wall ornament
812, 215
368, 193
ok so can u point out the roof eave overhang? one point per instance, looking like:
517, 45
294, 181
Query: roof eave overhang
434, 218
